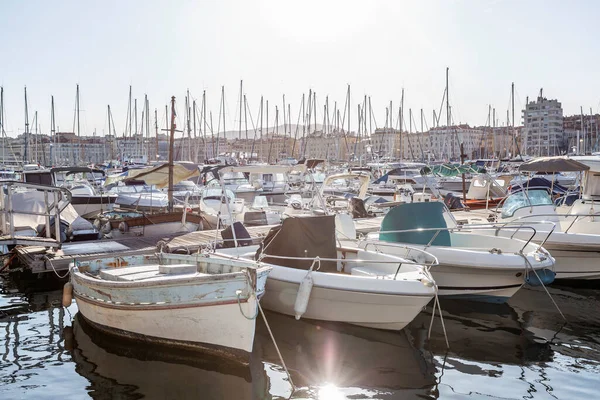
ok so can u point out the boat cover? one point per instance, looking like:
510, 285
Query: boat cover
553, 164
158, 176
301, 237
412, 216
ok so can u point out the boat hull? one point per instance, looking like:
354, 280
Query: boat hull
214, 328
91, 206
374, 310
580, 264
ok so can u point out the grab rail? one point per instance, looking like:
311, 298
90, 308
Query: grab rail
458, 228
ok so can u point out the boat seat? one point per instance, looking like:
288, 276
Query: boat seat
131, 274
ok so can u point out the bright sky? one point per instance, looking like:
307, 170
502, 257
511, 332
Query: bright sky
286, 47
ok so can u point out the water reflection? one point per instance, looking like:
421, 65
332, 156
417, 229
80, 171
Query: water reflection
324, 356
128, 370
522, 349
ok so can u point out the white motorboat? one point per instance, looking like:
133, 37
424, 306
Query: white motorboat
571, 234
191, 301
140, 197
471, 265
349, 284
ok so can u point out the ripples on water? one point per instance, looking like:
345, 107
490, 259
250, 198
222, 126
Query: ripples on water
520, 350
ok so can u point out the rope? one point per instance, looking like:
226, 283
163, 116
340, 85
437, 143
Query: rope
238, 293
277, 348
527, 263
437, 303
54, 269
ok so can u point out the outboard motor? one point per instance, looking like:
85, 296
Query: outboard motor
453, 202
357, 208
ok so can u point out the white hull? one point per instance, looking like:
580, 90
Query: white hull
91, 210
472, 274
213, 326
374, 310
575, 264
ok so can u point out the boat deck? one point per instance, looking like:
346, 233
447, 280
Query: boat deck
39, 259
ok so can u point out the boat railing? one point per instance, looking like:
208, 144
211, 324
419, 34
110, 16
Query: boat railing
463, 228
56, 199
574, 217
409, 249
317, 261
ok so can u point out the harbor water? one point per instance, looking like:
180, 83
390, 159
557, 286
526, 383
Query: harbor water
519, 350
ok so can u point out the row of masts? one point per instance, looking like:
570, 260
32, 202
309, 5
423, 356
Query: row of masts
199, 128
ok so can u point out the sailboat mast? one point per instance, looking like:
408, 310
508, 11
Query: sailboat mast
240, 116
156, 134
81, 153
2, 131
26, 150
171, 146
195, 134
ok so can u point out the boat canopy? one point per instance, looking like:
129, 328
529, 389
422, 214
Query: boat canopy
158, 176
452, 170
553, 164
303, 237
414, 216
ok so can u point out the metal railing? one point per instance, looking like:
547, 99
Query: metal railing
461, 228
55, 201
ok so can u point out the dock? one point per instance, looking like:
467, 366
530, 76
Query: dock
41, 259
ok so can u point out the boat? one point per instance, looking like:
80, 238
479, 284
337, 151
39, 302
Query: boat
119, 223
88, 198
190, 301
471, 265
349, 284
573, 235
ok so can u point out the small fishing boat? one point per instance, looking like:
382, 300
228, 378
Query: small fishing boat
314, 278
191, 301
471, 265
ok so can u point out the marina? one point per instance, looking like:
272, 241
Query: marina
317, 200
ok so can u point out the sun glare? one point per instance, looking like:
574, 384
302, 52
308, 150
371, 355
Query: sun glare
316, 20
330, 392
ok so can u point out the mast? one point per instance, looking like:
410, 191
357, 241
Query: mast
147, 139
156, 134
512, 101
52, 131
129, 119
171, 146
195, 137
189, 127
240, 124
448, 121
284, 126
26, 150
35, 138
2, 131
136, 126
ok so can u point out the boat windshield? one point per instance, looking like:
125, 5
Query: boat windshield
525, 199
234, 178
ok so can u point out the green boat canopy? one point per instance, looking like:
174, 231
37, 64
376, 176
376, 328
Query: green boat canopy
451, 170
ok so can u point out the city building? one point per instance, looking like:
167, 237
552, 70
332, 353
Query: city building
543, 133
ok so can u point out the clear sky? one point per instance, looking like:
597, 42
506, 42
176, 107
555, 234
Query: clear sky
285, 47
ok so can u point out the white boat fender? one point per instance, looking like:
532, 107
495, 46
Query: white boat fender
303, 295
